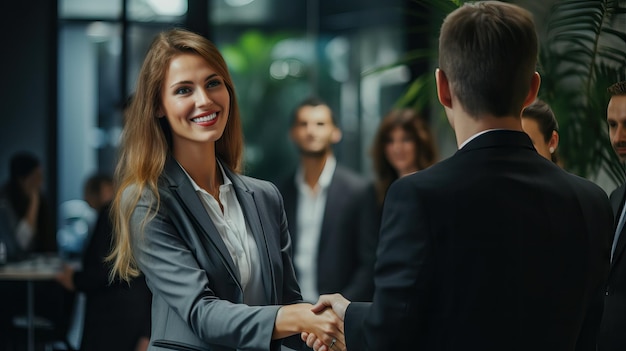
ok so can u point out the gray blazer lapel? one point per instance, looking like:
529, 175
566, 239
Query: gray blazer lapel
249, 207
181, 186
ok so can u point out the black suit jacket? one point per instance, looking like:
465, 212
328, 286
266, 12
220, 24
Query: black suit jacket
347, 248
117, 314
613, 329
495, 248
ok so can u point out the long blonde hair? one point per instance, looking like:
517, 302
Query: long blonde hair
146, 138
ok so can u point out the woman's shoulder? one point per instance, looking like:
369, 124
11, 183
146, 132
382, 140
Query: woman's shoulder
137, 193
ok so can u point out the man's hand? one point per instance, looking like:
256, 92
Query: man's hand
339, 304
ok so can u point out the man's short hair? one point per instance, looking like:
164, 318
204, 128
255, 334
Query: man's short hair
312, 101
488, 52
618, 88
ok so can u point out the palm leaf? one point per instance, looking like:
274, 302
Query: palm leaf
582, 55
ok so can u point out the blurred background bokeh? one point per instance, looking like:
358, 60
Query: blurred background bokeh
68, 66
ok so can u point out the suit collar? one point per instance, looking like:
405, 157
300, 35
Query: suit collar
248, 204
179, 184
498, 138
617, 199
617, 202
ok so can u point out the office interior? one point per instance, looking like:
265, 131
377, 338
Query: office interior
68, 66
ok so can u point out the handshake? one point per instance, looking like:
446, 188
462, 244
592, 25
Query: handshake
325, 331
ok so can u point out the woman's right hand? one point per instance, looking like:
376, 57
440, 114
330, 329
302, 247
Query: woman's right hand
325, 325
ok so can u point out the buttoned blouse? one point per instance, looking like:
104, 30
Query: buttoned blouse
237, 236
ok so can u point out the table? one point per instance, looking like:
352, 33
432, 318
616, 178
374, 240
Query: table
36, 268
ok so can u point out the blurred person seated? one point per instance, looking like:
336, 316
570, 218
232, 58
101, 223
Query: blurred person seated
117, 314
26, 229
539, 122
24, 210
403, 144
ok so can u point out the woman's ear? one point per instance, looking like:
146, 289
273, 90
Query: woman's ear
554, 141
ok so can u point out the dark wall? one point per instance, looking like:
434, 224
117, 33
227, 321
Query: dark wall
27, 70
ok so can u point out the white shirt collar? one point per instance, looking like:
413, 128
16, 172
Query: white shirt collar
195, 186
325, 177
476, 136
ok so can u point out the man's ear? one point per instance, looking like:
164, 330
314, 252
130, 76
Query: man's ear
443, 88
535, 82
336, 136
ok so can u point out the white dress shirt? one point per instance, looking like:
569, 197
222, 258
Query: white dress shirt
237, 236
309, 217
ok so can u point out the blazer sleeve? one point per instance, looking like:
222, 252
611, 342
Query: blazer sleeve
361, 285
174, 275
403, 275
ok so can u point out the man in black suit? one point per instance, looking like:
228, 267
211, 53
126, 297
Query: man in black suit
612, 331
331, 211
495, 248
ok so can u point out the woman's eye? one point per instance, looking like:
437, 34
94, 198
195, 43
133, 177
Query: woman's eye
183, 90
213, 83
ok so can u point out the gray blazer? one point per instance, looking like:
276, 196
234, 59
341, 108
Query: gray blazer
197, 297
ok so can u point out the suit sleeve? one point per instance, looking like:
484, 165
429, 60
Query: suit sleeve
599, 220
174, 275
361, 286
403, 276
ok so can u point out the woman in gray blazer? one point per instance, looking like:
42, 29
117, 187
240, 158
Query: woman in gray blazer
213, 244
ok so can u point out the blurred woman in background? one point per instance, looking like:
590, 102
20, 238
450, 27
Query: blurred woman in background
403, 144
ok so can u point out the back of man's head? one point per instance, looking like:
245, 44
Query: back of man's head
488, 52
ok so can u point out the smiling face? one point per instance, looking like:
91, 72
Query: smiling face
616, 119
195, 101
400, 151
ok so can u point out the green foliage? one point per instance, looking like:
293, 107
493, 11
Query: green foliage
583, 53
